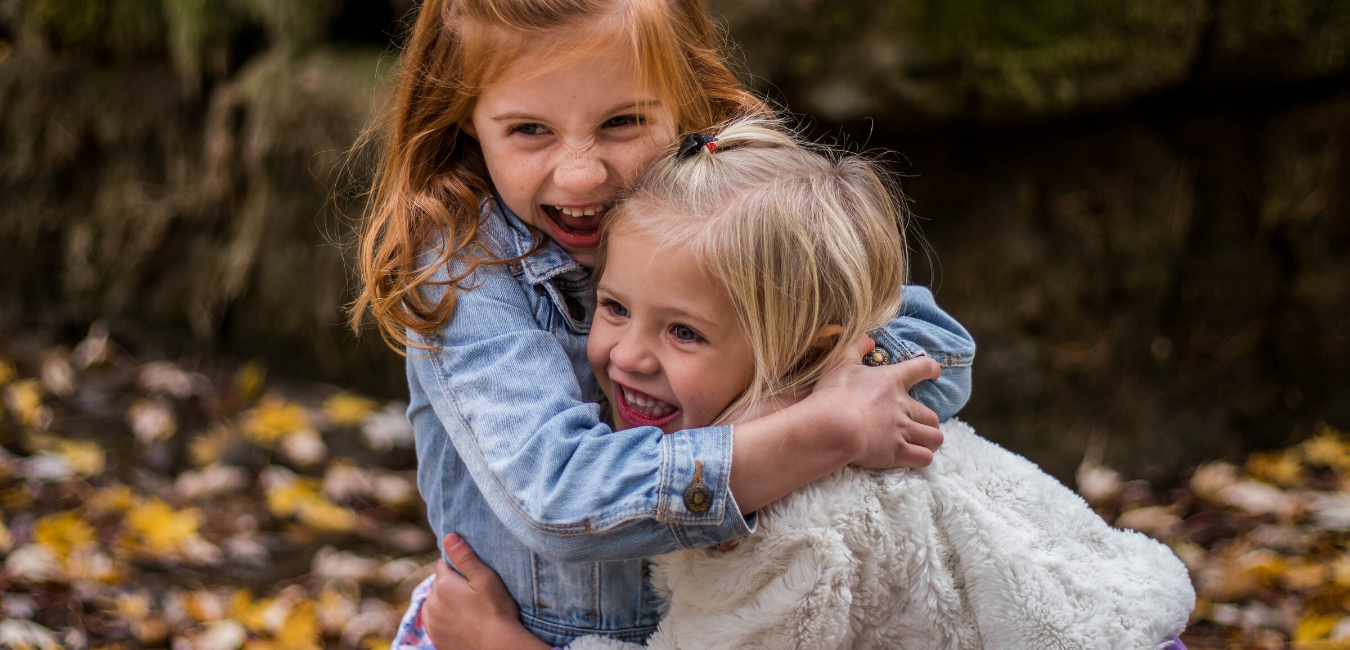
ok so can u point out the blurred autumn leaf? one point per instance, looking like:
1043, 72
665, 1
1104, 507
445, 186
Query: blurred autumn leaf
226, 487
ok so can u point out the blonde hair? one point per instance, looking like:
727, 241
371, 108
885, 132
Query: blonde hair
433, 175
800, 237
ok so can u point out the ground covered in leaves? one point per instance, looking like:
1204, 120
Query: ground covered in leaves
185, 504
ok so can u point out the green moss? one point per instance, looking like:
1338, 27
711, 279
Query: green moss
124, 27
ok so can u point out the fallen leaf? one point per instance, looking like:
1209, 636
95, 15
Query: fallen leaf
26, 635
84, 458
249, 379
34, 563
152, 420
94, 349
209, 447
388, 428
166, 378
304, 448
227, 634
210, 481
60, 533
1259, 498
8, 372
24, 399
272, 420
1283, 468
57, 375
1148, 520
159, 530
348, 409
332, 564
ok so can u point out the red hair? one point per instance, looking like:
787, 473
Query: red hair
433, 175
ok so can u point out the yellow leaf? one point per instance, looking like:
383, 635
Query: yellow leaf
1314, 626
249, 379
114, 498
207, 448
348, 409
325, 515
1279, 467
161, 530
24, 399
8, 372
248, 611
272, 419
1300, 576
62, 532
285, 499
372, 642
301, 629
84, 457
1328, 449
6, 539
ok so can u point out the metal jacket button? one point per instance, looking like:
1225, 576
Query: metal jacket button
697, 497
877, 357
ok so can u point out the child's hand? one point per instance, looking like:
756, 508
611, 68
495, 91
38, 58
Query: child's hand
472, 611
890, 427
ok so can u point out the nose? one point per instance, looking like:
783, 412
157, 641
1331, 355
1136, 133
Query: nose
633, 354
581, 169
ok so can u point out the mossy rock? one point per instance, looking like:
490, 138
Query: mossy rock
1278, 41
984, 60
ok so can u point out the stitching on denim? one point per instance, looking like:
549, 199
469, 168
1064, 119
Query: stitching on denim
636, 634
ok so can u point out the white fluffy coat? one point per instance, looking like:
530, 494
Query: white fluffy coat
981, 550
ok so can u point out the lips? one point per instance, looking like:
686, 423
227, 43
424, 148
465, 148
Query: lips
642, 410
573, 227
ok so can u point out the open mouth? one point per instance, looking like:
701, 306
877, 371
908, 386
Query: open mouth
576, 227
643, 410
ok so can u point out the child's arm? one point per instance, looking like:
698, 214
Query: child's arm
923, 329
472, 610
500, 392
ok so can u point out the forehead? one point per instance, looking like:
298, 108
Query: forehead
663, 277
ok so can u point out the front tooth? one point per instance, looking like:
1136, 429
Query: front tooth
590, 212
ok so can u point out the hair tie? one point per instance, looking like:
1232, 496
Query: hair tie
695, 141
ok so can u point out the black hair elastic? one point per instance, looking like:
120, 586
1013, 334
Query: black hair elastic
693, 142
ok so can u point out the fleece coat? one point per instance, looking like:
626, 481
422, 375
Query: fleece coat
980, 550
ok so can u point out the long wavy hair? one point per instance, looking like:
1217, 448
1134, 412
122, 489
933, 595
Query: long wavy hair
433, 176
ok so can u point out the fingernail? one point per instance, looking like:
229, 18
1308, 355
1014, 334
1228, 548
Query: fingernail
452, 540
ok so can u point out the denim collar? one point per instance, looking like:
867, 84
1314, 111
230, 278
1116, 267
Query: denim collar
515, 238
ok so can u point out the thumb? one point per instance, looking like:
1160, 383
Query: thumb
467, 561
918, 369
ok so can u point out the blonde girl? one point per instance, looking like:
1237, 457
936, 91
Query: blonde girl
516, 123
772, 257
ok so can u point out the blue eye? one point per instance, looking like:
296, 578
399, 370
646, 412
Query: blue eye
685, 333
616, 309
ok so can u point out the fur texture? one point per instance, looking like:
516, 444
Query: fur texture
981, 550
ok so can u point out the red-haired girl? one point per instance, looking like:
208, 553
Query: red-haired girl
516, 124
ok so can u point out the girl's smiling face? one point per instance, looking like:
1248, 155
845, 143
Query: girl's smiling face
561, 142
665, 345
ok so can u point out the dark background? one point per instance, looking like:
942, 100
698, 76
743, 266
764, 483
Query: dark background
1138, 207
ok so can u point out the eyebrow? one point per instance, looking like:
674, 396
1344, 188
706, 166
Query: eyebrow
534, 118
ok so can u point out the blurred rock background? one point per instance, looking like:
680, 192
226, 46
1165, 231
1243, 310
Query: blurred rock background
1139, 207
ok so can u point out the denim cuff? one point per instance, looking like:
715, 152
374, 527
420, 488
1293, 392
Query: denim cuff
690, 458
901, 350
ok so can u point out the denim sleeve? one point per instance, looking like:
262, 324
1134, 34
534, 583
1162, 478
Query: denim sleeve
561, 480
923, 329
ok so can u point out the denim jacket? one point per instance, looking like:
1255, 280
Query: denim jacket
514, 456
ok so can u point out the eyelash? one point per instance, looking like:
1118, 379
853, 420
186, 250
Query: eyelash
696, 338
628, 120
614, 308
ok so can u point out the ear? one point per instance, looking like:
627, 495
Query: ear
825, 336
468, 128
